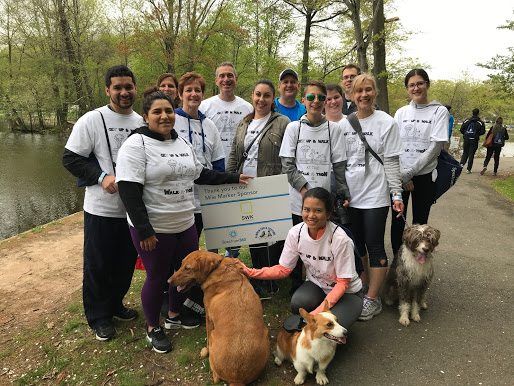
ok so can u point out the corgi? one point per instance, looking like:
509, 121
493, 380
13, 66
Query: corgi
314, 345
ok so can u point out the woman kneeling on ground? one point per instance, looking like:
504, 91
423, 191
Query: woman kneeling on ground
327, 253
155, 173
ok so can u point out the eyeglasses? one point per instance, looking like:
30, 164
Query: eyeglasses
311, 97
412, 86
348, 77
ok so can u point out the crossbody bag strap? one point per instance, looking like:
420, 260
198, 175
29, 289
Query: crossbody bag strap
354, 121
108, 142
260, 135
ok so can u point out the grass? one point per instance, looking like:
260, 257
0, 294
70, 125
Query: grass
62, 349
505, 187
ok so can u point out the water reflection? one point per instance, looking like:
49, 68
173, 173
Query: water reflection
34, 188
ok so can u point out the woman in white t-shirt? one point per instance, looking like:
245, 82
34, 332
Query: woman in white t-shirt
155, 173
373, 182
255, 152
423, 129
313, 155
334, 103
192, 125
328, 255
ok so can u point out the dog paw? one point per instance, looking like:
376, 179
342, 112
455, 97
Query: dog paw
424, 306
299, 379
321, 379
404, 320
204, 353
416, 318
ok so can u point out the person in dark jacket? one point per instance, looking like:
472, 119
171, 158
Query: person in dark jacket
471, 131
499, 136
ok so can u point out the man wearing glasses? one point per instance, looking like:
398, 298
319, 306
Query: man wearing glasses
350, 71
287, 104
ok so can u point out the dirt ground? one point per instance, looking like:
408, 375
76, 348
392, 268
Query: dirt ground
39, 270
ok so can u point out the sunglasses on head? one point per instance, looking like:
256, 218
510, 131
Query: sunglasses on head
311, 97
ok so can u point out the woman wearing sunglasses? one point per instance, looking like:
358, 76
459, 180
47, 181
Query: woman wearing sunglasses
374, 180
424, 131
312, 149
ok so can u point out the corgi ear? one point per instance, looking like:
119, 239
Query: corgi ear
305, 315
325, 306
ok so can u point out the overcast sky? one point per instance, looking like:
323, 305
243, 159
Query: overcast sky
453, 35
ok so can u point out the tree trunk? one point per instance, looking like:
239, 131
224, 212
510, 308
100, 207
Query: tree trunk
379, 56
306, 47
71, 56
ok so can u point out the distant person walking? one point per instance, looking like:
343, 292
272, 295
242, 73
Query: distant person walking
350, 71
499, 135
471, 130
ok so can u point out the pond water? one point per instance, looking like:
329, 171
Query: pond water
34, 186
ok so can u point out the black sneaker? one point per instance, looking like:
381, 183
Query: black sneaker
125, 314
158, 340
183, 320
104, 331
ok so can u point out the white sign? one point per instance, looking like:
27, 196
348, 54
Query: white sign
236, 214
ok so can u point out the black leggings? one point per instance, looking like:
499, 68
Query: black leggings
368, 228
422, 200
490, 151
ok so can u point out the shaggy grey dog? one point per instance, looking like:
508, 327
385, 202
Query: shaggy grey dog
411, 272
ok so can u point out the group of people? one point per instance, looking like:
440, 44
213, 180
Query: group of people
337, 149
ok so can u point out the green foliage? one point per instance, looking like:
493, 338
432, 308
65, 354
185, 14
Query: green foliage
505, 187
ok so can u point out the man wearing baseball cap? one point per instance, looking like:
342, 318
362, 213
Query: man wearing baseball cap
287, 104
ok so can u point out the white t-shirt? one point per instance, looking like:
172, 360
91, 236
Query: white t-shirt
226, 116
88, 136
327, 259
419, 125
211, 139
310, 147
370, 190
167, 170
254, 130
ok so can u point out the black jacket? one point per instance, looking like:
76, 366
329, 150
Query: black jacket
480, 131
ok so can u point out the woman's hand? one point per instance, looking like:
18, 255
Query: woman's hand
245, 269
398, 207
346, 203
244, 179
149, 244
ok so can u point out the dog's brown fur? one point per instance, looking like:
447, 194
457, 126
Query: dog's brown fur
237, 339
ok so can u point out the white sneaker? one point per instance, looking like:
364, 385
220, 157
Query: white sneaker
370, 308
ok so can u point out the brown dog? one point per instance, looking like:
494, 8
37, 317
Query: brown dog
237, 339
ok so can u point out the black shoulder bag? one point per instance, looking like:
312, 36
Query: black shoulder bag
354, 121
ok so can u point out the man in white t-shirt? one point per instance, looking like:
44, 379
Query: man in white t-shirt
226, 110
109, 255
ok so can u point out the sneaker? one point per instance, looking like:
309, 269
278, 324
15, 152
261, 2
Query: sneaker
494, 174
105, 331
370, 308
183, 320
125, 314
468, 171
483, 171
158, 340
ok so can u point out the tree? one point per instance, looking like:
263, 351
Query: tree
315, 13
503, 65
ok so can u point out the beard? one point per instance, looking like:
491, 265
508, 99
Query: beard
123, 103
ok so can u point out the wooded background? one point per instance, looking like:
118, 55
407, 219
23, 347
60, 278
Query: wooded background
54, 53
